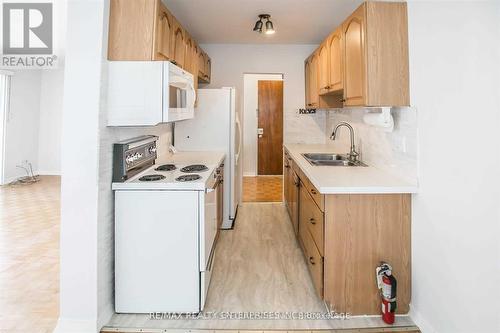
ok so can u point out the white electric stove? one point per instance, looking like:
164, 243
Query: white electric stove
166, 222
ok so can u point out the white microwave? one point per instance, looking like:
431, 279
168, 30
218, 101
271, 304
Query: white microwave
147, 93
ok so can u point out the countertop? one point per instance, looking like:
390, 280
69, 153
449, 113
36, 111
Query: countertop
346, 180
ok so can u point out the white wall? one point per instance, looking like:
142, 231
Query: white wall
79, 163
231, 61
87, 243
50, 122
394, 151
22, 123
250, 119
454, 70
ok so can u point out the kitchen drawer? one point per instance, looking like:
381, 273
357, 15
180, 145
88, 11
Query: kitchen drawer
312, 219
314, 261
318, 198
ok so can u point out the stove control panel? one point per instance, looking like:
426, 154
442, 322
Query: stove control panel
132, 156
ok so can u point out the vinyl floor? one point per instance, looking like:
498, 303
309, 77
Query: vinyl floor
259, 268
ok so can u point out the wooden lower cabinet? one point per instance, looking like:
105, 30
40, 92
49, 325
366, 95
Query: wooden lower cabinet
361, 230
291, 184
344, 237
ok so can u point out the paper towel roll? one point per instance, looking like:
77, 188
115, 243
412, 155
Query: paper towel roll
383, 119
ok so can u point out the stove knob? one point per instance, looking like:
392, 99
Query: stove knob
129, 159
152, 149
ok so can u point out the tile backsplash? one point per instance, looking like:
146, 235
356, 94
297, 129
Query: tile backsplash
394, 151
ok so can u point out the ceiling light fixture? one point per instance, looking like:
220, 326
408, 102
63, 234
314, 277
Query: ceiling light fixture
269, 25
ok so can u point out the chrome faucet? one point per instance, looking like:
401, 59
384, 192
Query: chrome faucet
353, 154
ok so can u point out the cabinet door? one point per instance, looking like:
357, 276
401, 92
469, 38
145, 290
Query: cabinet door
355, 60
164, 32
323, 69
313, 82
287, 183
307, 77
208, 68
179, 49
335, 48
294, 199
188, 58
201, 64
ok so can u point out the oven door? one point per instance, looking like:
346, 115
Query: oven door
179, 94
208, 236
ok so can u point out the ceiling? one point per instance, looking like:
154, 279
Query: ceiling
232, 21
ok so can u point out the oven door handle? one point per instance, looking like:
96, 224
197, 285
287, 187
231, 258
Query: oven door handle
214, 187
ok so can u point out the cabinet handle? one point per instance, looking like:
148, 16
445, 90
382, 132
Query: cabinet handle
342, 100
287, 166
311, 260
313, 191
312, 221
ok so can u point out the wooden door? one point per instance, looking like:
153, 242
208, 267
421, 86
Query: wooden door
313, 82
323, 69
164, 32
270, 142
355, 61
336, 73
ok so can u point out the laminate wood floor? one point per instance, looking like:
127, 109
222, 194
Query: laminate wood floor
29, 256
258, 267
263, 189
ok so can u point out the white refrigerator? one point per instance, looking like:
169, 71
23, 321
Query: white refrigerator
216, 126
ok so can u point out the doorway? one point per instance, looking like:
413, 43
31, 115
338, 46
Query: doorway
263, 138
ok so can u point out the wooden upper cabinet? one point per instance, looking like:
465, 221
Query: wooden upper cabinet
145, 30
324, 69
307, 77
208, 68
355, 65
365, 60
376, 55
201, 64
336, 64
131, 29
205, 70
164, 32
313, 81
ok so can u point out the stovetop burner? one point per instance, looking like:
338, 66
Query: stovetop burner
151, 178
188, 178
195, 168
166, 167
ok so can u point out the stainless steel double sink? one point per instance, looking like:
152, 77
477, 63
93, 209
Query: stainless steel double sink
325, 159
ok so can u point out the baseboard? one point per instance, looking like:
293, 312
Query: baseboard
76, 326
249, 174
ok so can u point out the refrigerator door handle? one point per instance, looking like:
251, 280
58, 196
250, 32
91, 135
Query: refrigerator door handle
238, 125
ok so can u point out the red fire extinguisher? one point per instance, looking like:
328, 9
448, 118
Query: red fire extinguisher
387, 285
